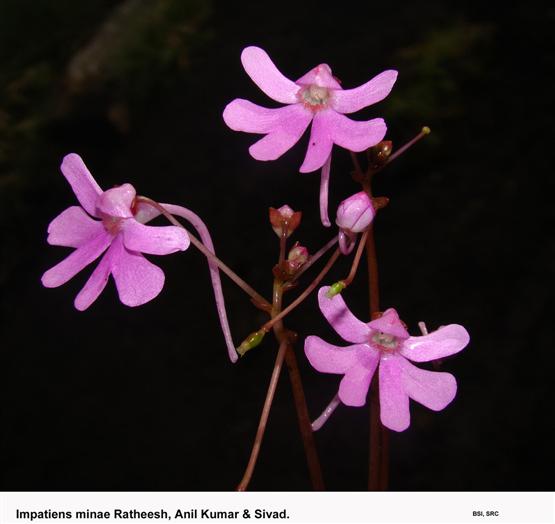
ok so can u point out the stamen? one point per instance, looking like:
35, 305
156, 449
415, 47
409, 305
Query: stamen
385, 341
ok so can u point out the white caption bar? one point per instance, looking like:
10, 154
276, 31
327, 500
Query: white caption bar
290, 508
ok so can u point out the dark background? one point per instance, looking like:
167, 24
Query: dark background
145, 399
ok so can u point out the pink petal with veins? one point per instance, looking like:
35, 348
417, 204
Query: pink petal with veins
354, 386
73, 228
340, 317
82, 182
351, 100
328, 358
353, 135
96, 282
137, 280
242, 115
432, 389
394, 401
77, 261
267, 77
446, 341
319, 145
288, 128
154, 240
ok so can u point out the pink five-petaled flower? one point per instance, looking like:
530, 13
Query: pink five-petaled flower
316, 97
385, 343
118, 232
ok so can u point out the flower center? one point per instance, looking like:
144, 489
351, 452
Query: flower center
314, 97
384, 341
111, 224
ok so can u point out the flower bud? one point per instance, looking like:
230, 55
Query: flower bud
284, 218
297, 256
379, 154
355, 213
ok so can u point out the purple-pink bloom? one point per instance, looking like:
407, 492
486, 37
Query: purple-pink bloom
316, 97
384, 343
117, 233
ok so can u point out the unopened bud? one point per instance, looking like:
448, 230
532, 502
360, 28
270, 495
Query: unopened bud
378, 154
355, 213
335, 289
251, 341
284, 218
297, 256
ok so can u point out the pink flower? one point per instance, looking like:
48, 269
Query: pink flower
316, 97
118, 233
354, 215
385, 344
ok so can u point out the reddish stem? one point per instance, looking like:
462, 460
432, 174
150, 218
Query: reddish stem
304, 295
356, 260
264, 417
305, 426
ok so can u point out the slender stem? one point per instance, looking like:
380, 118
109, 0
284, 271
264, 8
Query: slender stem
374, 462
356, 260
282, 244
323, 418
373, 288
425, 131
302, 297
305, 427
314, 258
207, 253
312, 460
264, 416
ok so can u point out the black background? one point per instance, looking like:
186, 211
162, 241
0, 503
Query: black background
145, 399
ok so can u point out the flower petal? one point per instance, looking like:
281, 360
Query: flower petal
73, 228
117, 201
144, 213
267, 77
340, 317
96, 282
446, 341
353, 135
138, 281
83, 184
319, 145
242, 115
432, 389
390, 323
154, 240
290, 123
351, 100
327, 358
353, 388
394, 401
77, 260
320, 75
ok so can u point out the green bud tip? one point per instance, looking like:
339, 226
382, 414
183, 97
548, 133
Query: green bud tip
251, 341
335, 289
426, 130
